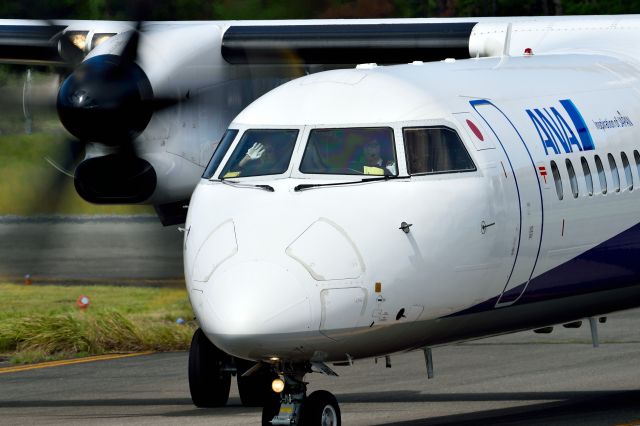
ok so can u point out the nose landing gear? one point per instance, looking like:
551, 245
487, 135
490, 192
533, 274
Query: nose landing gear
209, 376
210, 371
294, 407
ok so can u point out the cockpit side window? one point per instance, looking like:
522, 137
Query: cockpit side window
261, 152
219, 153
350, 151
435, 150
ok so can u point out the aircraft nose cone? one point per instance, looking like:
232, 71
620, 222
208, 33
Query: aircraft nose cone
252, 301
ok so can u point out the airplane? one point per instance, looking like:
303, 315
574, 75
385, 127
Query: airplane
400, 204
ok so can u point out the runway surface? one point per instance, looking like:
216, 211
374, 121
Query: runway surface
102, 249
521, 379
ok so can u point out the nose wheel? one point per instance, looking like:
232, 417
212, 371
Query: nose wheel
294, 407
321, 408
209, 375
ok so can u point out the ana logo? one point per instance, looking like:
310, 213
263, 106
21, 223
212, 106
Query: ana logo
555, 132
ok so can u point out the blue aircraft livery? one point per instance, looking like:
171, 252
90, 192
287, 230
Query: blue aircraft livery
556, 134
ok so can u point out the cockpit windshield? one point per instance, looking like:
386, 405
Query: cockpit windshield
261, 152
350, 151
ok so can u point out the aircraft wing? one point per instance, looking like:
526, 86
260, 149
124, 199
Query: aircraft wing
37, 42
27, 42
276, 42
345, 43
340, 41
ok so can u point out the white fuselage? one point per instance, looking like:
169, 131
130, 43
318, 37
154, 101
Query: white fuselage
325, 273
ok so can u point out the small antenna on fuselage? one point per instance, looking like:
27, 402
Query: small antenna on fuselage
505, 47
507, 41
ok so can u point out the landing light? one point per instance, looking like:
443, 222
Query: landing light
277, 385
78, 38
100, 38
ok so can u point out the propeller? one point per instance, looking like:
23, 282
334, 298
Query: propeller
105, 102
108, 99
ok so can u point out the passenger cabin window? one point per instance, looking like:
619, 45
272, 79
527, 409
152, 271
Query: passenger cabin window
587, 175
636, 156
601, 175
261, 152
435, 150
350, 151
219, 153
557, 179
573, 181
614, 172
627, 171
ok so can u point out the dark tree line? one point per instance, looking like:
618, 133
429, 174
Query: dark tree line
289, 9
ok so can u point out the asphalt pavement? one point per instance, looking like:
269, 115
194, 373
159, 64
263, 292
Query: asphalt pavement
519, 379
103, 249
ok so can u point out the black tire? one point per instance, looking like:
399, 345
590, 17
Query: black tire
270, 409
255, 390
208, 384
320, 409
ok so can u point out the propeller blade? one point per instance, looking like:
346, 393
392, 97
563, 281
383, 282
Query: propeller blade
160, 104
62, 170
70, 52
130, 51
140, 12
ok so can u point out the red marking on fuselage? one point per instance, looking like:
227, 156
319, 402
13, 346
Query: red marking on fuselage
475, 130
543, 173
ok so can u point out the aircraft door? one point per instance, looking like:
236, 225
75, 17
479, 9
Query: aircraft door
520, 166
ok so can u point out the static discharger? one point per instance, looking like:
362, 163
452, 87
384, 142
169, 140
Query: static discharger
378, 288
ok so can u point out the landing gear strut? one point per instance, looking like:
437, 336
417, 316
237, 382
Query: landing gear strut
255, 389
294, 407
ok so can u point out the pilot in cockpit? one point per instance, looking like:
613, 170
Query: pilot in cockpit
374, 163
263, 157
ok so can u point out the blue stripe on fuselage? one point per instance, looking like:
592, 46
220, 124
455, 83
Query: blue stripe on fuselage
578, 122
609, 265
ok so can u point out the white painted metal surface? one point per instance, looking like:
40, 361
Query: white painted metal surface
450, 260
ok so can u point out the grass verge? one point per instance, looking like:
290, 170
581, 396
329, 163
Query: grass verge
42, 323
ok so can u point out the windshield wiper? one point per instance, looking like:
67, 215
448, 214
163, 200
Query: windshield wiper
237, 184
304, 186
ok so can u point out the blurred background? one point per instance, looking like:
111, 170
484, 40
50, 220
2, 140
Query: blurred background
288, 9
30, 137
61, 236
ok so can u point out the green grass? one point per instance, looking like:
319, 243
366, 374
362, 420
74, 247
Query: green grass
39, 323
25, 187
